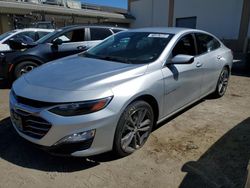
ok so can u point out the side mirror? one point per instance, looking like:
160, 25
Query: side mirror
57, 42
182, 59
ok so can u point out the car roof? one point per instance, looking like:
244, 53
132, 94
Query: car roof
34, 29
90, 26
169, 30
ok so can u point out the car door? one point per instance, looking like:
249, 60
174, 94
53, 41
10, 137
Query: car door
182, 81
73, 42
97, 35
209, 56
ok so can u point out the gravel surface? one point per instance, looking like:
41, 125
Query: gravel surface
208, 145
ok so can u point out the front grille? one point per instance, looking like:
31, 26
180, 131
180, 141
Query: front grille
33, 126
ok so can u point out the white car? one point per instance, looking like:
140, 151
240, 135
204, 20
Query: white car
33, 33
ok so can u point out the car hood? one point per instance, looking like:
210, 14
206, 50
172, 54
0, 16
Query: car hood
79, 73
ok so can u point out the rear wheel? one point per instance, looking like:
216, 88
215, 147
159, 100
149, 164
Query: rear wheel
23, 68
134, 128
222, 83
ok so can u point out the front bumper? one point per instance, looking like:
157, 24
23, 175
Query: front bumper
67, 148
104, 122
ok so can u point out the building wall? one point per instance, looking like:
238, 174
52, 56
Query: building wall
221, 18
4, 23
149, 13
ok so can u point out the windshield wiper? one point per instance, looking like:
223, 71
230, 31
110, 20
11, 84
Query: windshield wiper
108, 58
115, 58
86, 54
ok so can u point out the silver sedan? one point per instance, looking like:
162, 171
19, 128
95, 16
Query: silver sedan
110, 97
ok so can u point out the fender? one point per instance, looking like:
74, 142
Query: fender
10, 65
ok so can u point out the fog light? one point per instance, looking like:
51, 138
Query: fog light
77, 137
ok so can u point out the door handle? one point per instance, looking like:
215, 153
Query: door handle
219, 57
198, 64
81, 47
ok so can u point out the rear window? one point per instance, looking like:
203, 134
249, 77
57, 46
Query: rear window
99, 33
206, 43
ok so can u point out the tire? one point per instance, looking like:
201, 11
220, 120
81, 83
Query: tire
222, 83
23, 68
134, 128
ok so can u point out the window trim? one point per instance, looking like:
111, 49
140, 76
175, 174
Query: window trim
198, 55
169, 54
112, 31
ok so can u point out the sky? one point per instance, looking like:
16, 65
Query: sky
113, 3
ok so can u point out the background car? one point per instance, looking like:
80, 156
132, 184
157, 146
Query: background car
34, 33
111, 97
62, 42
43, 25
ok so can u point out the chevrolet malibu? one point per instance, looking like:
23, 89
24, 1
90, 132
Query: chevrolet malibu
111, 96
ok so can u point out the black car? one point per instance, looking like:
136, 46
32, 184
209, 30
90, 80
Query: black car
60, 43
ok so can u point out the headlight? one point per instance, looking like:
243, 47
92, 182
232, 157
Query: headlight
81, 108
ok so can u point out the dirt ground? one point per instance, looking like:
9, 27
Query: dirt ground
210, 141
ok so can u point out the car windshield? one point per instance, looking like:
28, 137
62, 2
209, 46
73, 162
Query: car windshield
46, 37
131, 47
4, 35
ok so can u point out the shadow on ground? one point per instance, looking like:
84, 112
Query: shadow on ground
18, 151
223, 165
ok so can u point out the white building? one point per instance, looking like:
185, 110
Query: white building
227, 19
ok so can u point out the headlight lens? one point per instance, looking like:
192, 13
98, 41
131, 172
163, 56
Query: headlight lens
81, 108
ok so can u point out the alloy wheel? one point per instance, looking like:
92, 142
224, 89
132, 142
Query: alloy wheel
136, 130
27, 68
223, 82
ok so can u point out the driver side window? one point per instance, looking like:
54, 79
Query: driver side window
185, 46
72, 36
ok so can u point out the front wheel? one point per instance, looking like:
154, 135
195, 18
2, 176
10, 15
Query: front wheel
222, 83
134, 128
23, 68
